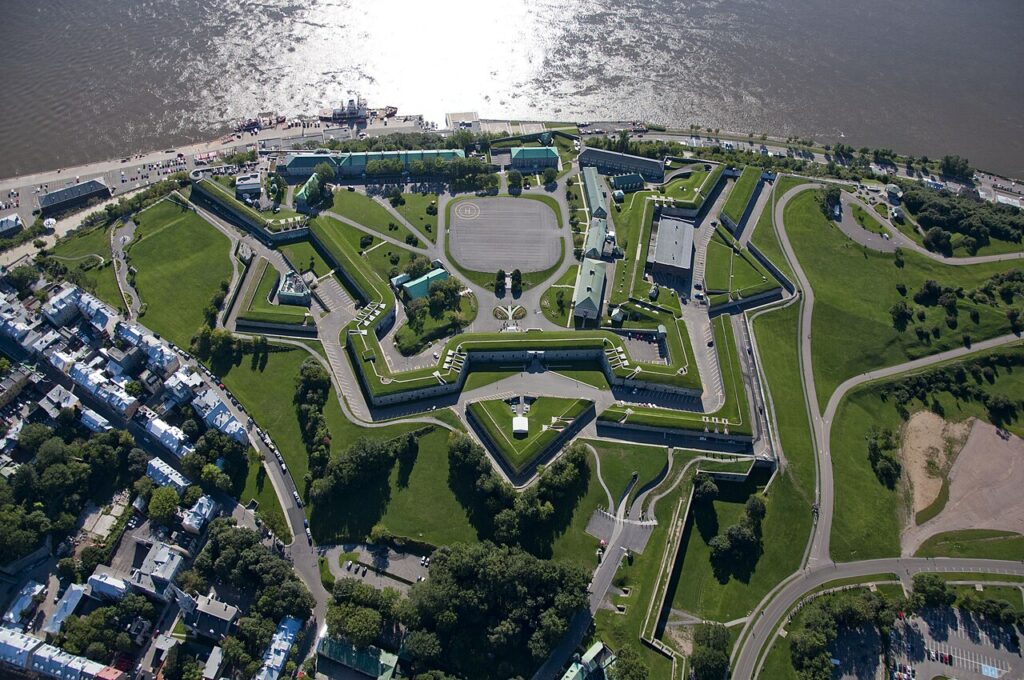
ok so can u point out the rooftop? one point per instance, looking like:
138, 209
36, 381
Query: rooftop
674, 246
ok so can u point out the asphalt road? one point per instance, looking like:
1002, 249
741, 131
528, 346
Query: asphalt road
762, 626
819, 567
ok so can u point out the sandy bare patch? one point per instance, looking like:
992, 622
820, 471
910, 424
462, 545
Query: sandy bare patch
930, 444
984, 488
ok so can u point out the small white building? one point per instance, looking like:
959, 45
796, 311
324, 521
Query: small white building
520, 425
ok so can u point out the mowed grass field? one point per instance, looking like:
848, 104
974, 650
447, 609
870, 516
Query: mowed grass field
414, 210
977, 543
496, 416
305, 258
416, 501
83, 252
258, 487
741, 192
181, 261
854, 289
360, 208
868, 517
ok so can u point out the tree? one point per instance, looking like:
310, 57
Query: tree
163, 505
499, 282
362, 626
550, 175
445, 296
23, 278
515, 179
938, 240
418, 266
930, 590
956, 167
629, 665
517, 282
325, 171
830, 198
423, 647
901, 314
704, 487
710, 658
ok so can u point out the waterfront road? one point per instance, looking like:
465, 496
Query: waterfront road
763, 627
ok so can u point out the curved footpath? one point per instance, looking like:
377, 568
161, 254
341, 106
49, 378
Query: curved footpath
819, 568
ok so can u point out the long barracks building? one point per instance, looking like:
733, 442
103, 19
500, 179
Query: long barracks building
302, 164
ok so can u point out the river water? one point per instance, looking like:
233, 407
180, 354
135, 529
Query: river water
84, 80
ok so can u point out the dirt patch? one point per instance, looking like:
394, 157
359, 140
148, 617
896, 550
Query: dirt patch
930, 445
984, 488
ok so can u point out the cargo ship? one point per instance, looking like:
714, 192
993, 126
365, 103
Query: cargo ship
355, 111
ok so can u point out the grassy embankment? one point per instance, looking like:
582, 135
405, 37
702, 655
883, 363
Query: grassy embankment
266, 389
854, 289
868, 516
173, 246
360, 208
88, 254
414, 210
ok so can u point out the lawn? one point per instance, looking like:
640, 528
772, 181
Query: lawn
177, 247
742, 191
867, 519
618, 462
257, 303
854, 289
977, 543
266, 388
733, 273
421, 506
686, 188
258, 487
764, 236
547, 416
414, 210
360, 208
641, 577
698, 589
82, 253
410, 341
866, 221
384, 258
549, 300
304, 258
582, 372
633, 221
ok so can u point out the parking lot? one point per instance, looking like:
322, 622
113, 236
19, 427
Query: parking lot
488, 234
955, 644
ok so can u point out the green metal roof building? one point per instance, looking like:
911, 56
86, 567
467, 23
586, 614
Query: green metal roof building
371, 662
351, 164
587, 297
597, 233
595, 195
302, 195
534, 157
421, 286
631, 182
